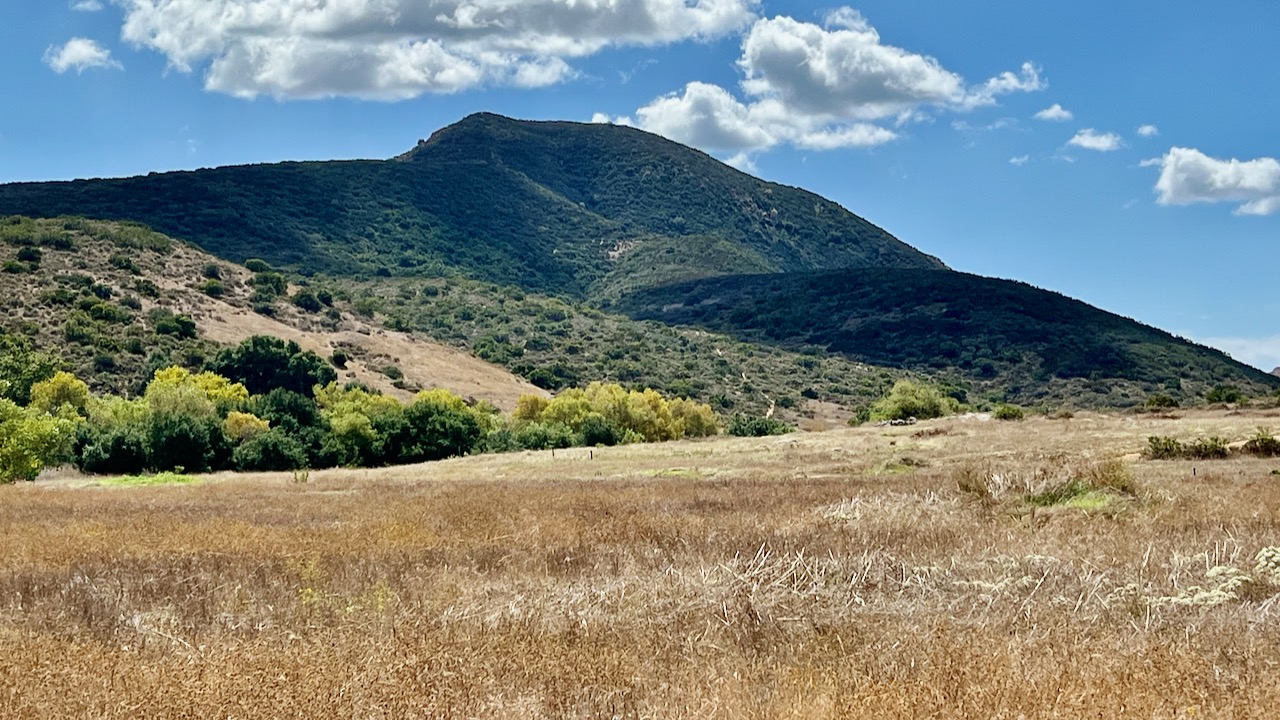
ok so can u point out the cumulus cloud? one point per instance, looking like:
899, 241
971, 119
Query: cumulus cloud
1054, 113
79, 54
821, 87
394, 49
1189, 176
1090, 139
86, 6
1148, 131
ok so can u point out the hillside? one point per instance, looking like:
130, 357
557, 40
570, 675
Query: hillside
1007, 338
527, 244
117, 301
551, 207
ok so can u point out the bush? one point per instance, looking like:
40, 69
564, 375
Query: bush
1164, 448
1263, 444
1008, 412
212, 271
754, 426
213, 288
30, 255
195, 444
13, 267
257, 266
307, 300
597, 430
272, 451
544, 436
264, 363
112, 451
124, 262
339, 359
910, 399
1160, 401
1224, 394
1210, 448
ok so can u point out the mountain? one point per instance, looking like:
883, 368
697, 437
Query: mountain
1024, 343
591, 217
555, 207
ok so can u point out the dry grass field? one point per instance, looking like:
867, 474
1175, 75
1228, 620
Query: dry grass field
836, 574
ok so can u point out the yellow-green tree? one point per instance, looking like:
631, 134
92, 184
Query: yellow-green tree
63, 390
31, 439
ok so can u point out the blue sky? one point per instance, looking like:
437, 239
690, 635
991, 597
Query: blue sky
1120, 153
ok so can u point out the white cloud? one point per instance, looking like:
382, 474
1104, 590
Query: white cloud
394, 49
820, 87
709, 117
1020, 160
79, 54
1189, 176
1148, 131
1090, 139
1054, 113
86, 6
1260, 352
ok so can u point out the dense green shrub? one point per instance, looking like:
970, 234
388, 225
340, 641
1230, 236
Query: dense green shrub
165, 322
909, 399
1224, 394
1164, 448
195, 444
597, 430
213, 288
1210, 448
1263, 444
1167, 448
257, 266
1008, 412
756, 426
30, 255
544, 436
263, 363
271, 451
307, 300
112, 451
1160, 401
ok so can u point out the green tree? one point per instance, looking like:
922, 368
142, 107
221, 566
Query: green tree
21, 367
61, 390
31, 439
264, 363
272, 451
909, 399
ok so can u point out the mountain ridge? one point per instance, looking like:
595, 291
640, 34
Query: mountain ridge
610, 217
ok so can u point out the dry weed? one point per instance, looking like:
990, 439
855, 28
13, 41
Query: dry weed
763, 579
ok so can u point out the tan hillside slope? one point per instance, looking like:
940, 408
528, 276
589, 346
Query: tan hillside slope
105, 296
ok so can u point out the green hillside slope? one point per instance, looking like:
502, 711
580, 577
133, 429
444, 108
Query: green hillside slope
551, 207
1003, 336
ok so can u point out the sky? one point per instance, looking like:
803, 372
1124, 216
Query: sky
1122, 153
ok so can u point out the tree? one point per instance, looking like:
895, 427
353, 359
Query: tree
21, 367
910, 399
438, 424
31, 439
263, 363
272, 451
61, 390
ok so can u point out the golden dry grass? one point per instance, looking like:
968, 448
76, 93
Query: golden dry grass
838, 574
